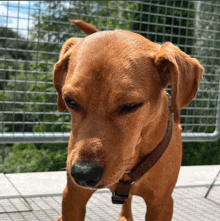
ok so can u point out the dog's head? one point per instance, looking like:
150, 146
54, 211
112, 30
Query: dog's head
112, 84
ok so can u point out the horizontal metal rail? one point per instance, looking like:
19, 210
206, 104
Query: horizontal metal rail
57, 137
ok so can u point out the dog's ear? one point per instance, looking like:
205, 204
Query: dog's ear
180, 71
60, 70
84, 26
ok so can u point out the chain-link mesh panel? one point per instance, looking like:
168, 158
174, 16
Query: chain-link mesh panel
32, 33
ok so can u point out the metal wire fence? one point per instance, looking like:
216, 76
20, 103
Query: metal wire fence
31, 36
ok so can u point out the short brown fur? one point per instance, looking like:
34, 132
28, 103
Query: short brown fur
101, 73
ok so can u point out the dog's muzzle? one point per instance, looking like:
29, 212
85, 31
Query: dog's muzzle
86, 173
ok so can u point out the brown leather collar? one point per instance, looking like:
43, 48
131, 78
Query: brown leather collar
123, 187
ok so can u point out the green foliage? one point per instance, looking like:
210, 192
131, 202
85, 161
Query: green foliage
34, 158
12, 40
201, 153
162, 21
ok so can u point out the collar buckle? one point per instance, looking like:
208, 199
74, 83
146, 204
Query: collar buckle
118, 199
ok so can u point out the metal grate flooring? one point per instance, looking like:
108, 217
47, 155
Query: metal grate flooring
189, 204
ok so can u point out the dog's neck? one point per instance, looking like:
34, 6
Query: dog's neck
145, 164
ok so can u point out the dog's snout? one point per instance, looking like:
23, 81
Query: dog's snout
86, 173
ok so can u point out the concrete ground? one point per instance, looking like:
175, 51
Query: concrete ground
38, 196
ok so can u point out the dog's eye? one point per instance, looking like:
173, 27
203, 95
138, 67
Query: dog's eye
129, 108
72, 104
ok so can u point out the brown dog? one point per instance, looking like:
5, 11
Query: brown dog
112, 83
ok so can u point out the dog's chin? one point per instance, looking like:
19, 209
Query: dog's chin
90, 187
99, 186
93, 188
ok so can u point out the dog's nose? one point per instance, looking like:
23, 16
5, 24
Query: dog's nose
86, 173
